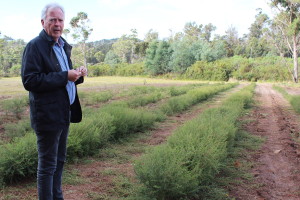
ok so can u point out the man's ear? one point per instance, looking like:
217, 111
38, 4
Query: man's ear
42, 21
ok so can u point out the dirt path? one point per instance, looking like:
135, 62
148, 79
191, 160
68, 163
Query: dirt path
276, 165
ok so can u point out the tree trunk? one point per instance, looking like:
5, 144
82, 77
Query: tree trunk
295, 56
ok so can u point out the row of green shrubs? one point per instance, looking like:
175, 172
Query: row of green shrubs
99, 126
185, 167
136, 96
293, 99
239, 68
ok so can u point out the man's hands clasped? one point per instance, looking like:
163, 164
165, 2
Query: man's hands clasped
75, 74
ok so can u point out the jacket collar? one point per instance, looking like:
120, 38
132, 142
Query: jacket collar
50, 40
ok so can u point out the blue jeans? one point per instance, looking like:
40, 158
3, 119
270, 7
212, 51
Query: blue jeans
52, 150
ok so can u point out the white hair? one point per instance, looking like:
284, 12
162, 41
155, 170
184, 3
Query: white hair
49, 6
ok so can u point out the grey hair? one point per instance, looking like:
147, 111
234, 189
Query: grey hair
49, 6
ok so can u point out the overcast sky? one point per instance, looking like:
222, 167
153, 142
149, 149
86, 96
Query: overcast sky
20, 19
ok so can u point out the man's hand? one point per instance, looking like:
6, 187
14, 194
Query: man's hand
74, 75
82, 70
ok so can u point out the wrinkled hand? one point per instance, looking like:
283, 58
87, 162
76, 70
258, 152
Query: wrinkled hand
74, 75
82, 70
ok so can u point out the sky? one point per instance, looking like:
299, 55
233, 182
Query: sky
20, 19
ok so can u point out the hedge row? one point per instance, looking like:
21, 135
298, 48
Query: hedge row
186, 165
99, 126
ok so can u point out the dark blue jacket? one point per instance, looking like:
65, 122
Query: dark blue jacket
46, 82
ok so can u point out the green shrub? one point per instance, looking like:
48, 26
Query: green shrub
15, 106
124, 69
179, 103
185, 167
90, 135
18, 129
96, 97
100, 70
127, 120
144, 99
18, 159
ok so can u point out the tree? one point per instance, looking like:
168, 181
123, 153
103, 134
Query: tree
232, 40
193, 31
82, 31
257, 45
288, 22
158, 57
207, 31
125, 47
150, 36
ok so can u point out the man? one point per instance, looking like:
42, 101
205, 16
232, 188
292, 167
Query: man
48, 76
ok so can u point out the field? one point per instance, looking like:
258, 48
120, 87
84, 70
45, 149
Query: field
144, 138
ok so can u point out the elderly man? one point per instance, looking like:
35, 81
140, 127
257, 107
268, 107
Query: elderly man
48, 75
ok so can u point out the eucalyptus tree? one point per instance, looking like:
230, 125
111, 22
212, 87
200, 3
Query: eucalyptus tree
257, 45
81, 32
125, 47
232, 40
287, 20
150, 36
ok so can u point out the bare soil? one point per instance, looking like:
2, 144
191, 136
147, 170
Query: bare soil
276, 165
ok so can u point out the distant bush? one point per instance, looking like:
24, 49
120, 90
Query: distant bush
100, 70
124, 69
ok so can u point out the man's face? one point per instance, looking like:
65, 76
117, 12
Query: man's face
54, 23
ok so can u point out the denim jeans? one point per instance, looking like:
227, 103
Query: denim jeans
52, 150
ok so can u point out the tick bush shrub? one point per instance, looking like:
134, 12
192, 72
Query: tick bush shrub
197, 151
18, 159
15, 106
128, 120
97, 97
145, 99
90, 135
19, 129
179, 103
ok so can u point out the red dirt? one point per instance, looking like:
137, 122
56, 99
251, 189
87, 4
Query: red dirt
276, 165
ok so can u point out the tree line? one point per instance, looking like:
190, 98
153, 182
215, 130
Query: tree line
178, 54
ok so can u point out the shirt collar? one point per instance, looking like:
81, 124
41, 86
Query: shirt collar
60, 42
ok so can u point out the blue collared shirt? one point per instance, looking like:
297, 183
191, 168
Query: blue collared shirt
63, 61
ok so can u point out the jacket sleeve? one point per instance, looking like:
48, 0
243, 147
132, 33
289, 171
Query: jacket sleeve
38, 72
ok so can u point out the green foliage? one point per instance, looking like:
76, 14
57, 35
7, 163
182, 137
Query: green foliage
186, 166
202, 70
97, 97
158, 57
179, 103
100, 70
15, 106
87, 137
127, 120
19, 129
124, 69
18, 159
144, 100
